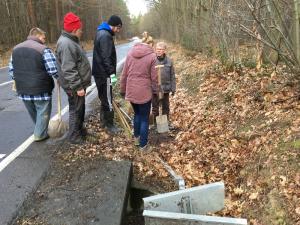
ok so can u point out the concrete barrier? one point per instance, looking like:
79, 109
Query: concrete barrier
168, 218
197, 200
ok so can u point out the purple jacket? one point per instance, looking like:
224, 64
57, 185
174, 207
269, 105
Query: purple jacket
139, 76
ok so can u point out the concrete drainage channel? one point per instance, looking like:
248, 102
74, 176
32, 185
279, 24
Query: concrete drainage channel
182, 207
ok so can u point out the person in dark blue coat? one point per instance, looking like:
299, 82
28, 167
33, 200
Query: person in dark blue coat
104, 68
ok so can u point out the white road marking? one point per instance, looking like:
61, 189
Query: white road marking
5, 83
12, 156
4, 163
2, 156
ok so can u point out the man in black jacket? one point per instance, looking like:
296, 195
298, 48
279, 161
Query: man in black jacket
104, 67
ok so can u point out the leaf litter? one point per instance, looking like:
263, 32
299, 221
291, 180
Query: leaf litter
239, 127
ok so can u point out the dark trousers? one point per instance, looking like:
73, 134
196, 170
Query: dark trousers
104, 88
141, 121
76, 116
165, 103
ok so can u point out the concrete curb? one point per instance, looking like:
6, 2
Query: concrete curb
168, 218
197, 200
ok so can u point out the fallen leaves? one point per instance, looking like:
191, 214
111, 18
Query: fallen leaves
297, 210
231, 128
253, 196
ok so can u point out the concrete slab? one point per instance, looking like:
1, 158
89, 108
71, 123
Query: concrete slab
196, 200
89, 193
166, 218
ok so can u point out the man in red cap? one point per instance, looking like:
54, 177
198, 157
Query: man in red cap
104, 68
74, 74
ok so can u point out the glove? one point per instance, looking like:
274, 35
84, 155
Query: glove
113, 79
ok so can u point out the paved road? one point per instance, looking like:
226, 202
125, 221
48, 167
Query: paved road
20, 176
15, 123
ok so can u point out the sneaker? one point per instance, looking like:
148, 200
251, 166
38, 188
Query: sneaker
84, 132
38, 139
136, 141
77, 141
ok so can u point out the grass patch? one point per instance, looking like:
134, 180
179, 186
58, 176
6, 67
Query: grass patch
249, 63
296, 144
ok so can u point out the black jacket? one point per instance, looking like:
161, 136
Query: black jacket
168, 81
104, 54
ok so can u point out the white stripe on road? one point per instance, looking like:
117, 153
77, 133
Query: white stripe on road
5, 83
2, 156
12, 156
16, 153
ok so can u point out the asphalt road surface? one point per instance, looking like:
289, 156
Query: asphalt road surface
15, 123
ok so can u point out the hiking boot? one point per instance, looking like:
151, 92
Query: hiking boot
113, 129
77, 141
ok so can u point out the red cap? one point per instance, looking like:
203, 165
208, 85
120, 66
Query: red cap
71, 22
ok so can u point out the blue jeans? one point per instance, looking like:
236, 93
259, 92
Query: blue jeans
39, 111
141, 121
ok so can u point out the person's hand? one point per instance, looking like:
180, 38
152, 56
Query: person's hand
14, 86
81, 92
113, 79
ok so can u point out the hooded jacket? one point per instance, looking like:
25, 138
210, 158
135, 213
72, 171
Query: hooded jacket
139, 76
104, 54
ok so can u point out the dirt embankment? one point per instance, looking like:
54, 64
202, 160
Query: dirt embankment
240, 127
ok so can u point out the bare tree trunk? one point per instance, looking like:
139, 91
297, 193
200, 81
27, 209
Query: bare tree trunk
297, 30
7, 8
259, 49
31, 13
57, 15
